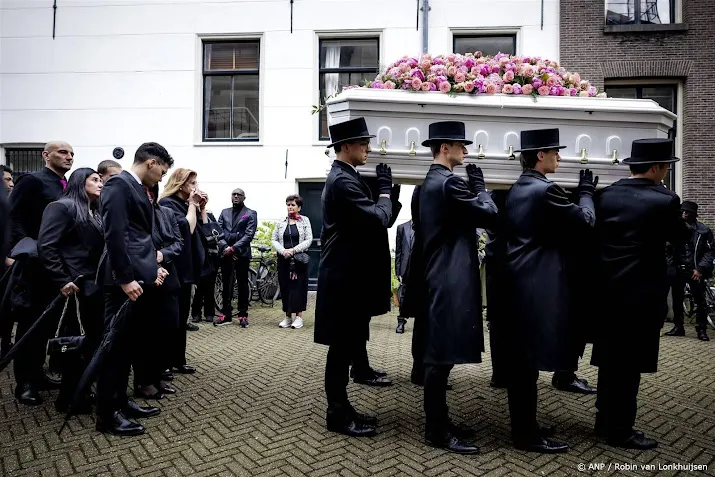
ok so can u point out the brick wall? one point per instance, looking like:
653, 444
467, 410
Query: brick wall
686, 55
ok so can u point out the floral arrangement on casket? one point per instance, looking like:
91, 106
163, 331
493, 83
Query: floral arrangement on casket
479, 74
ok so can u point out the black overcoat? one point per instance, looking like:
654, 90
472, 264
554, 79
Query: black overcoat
449, 214
543, 227
354, 275
192, 263
635, 219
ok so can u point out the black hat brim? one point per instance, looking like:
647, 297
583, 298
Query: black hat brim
432, 140
530, 149
349, 139
635, 161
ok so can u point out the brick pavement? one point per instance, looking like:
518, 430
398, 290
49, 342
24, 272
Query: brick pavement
256, 407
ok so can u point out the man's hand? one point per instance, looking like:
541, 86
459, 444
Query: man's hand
587, 182
696, 275
475, 178
384, 179
395, 195
399, 278
69, 289
228, 252
161, 274
133, 290
9, 261
159, 257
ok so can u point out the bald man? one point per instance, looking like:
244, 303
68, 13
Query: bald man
32, 193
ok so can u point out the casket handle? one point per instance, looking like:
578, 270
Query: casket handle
511, 153
480, 153
584, 156
413, 151
615, 156
383, 147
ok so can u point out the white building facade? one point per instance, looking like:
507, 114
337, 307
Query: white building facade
227, 86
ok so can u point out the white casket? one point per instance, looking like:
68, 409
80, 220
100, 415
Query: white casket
598, 132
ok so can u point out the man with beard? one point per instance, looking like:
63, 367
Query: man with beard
32, 291
541, 226
696, 268
354, 271
635, 219
450, 211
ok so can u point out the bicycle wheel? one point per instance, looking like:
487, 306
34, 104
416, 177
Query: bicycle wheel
710, 302
252, 286
218, 291
268, 282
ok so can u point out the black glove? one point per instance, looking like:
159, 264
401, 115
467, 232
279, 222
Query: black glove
475, 179
587, 183
384, 178
395, 195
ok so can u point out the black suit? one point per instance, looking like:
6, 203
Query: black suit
69, 248
31, 195
239, 227
131, 255
403, 250
204, 294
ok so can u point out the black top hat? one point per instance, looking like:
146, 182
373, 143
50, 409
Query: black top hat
540, 140
689, 206
651, 151
446, 131
351, 130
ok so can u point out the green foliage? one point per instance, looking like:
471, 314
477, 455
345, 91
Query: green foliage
264, 232
395, 282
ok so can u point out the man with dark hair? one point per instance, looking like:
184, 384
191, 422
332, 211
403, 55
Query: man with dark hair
354, 271
131, 257
635, 219
449, 211
541, 225
696, 267
7, 179
108, 168
403, 249
31, 195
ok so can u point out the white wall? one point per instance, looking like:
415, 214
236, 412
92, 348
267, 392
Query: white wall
122, 72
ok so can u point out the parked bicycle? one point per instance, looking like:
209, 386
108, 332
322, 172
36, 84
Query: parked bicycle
690, 308
262, 279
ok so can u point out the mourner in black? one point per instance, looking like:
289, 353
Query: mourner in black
32, 291
450, 211
541, 225
204, 302
635, 219
696, 267
6, 323
7, 180
70, 244
108, 168
181, 194
354, 272
131, 257
403, 249
239, 225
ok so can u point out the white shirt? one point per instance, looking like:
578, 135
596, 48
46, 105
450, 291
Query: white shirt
136, 177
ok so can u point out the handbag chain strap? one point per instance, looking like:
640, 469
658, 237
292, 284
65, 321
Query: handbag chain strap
64, 312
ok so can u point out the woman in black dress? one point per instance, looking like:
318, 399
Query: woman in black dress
291, 238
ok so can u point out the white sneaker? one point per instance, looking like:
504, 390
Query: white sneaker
297, 323
286, 322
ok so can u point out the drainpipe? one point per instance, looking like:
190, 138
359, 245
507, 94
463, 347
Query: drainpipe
425, 26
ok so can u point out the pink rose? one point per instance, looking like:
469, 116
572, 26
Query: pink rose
426, 86
508, 89
389, 85
416, 84
468, 87
584, 85
509, 76
545, 90
451, 71
451, 57
475, 70
425, 65
583, 94
469, 63
527, 89
432, 78
481, 61
491, 88
517, 89
459, 77
552, 81
576, 78
445, 87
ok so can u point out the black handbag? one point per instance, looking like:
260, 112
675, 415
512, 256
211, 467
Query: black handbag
61, 346
300, 257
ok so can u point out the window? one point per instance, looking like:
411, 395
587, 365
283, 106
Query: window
24, 160
666, 95
649, 12
487, 44
230, 73
343, 62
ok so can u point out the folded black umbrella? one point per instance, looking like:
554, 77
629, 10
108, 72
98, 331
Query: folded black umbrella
117, 326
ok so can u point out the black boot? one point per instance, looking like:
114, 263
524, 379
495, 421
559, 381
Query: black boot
119, 425
702, 334
401, 322
677, 330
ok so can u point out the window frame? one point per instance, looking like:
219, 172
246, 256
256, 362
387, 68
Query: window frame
376, 36
674, 12
204, 73
514, 34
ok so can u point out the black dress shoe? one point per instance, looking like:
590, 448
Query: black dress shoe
461, 431
197, 319
185, 369
148, 392
703, 335
401, 322
166, 389
191, 327
167, 376
676, 331
636, 440
350, 426
576, 385
377, 372
547, 431
543, 446
451, 443
135, 411
27, 394
365, 419
376, 381
119, 425
497, 384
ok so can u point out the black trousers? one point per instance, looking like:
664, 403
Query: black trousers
204, 297
499, 350
240, 265
419, 346
179, 354
337, 366
523, 397
28, 363
617, 400
113, 375
155, 343
697, 288
435, 399
91, 310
